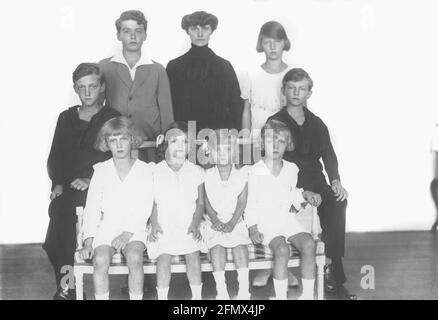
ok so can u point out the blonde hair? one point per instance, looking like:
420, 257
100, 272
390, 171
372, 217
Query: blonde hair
278, 127
118, 126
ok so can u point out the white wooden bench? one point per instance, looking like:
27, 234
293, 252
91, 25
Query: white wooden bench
260, 257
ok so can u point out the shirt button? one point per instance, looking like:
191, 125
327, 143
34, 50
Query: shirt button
130, 98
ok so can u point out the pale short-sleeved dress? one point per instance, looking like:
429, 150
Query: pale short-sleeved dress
175, 194
270, 199
223, 196
114, 206
263, 91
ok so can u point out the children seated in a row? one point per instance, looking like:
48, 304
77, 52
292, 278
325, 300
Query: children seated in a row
177, 187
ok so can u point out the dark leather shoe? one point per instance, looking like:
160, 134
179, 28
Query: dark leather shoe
343, 294
333, 290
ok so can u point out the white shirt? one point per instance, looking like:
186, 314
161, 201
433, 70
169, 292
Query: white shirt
270, 198
120, 58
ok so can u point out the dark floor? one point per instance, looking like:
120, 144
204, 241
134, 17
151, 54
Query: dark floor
405, 266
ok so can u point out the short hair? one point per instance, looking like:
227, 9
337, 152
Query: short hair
135, 15
86, 69
272, 29
297, 74
118, 126
225, 136
199, 18
177, 125
278, 127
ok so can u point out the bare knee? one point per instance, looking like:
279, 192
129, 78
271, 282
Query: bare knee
134, 257
308, 246
101, 260
282, 251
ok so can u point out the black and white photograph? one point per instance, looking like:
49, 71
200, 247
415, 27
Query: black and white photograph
231, 151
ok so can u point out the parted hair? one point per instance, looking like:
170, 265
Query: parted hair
272, 29
199, 18
297, 74
135, 15
86, 69
118, 126
174, 128
278, 127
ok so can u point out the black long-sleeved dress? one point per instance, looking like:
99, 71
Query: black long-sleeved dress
71, 156
312, 143
205, 88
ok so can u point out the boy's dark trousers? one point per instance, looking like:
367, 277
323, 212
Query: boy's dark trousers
60, 243
332, 219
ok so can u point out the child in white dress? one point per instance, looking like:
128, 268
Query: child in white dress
225, 200
272, 200
119, 203
177, 213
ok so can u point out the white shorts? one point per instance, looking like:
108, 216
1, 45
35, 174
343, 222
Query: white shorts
286, 225
107, 239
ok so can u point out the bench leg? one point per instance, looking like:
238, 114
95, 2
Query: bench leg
320, 281
79, 280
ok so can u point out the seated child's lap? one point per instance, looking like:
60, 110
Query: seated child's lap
287, 226
107, 239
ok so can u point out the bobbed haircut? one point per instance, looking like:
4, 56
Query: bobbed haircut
174, 129
199, 18
86, 69
115, 127
135, 15
278, 127
272, 29
297, 74
224, 137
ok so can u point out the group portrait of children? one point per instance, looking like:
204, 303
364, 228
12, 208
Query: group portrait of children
157, 201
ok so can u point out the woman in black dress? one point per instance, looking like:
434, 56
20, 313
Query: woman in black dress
204, 86
70, 167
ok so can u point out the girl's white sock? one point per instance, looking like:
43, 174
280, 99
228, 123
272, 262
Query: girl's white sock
280, 287
133, 296
104, 296
221, 286
162, 293
308, 288
196, 291
243, 279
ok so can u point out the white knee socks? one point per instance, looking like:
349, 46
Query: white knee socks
308, 288
221, 287
280, 287
196, 292
133, 296
243, 279
162, 293
104, 296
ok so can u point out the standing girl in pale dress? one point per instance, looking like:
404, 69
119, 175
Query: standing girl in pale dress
177, 213
119, 204
225, 200
261, 87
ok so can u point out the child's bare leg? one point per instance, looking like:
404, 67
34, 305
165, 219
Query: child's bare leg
306, 245
193, 263
163, 275
101, 261
240, 256
281, 257
134, 258
218, 257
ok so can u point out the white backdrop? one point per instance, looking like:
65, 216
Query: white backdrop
374, 64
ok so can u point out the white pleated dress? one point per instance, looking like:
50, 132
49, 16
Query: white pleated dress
114, 206
175, 195
270, 199
223, 196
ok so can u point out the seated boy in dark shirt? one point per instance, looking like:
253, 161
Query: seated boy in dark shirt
312, 143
